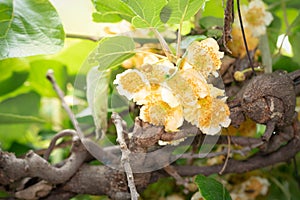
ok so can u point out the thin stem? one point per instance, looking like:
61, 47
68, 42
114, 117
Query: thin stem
178, 41
61, 95
164, 46
244, 37
227, 156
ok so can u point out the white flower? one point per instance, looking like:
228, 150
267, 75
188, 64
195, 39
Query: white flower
256, 18
204, 57
132, 84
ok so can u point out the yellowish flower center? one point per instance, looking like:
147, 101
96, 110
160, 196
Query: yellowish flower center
255, 17
132, 82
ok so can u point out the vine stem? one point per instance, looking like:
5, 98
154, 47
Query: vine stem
244, 37
117, 120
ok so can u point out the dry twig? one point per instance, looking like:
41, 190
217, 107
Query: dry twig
63, 133
61, 95
125, 155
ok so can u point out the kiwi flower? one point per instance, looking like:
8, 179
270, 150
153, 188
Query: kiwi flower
169, 94
256, 18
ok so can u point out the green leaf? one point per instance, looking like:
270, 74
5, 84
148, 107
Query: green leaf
97, 96
14, 73
38, 79
189, 39
112, 11
273, 31
111, 52
7, 118
141, 13
147, 13
285, 63
295, 38
210, 22
29, 28
211, 189
177, 11
26, 105
19, 148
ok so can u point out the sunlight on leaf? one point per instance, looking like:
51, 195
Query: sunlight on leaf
29, 28
177, 11
147, 12
141, 13
112, 11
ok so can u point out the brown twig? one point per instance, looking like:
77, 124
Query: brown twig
117, 120
228, 20
227, 156
63, 133
61, 95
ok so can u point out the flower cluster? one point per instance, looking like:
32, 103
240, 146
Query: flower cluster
171, 94
255, 20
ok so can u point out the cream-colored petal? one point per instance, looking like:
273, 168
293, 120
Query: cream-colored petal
131, 83
204, 56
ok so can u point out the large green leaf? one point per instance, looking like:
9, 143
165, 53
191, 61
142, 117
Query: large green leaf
111, 52
211, 189
177, 11
14, 72
29, 28
7, 118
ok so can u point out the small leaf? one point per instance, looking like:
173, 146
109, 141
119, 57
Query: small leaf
97, 96
7, 118
111, 52
189, 39
211, 189
29, 28
177, 11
